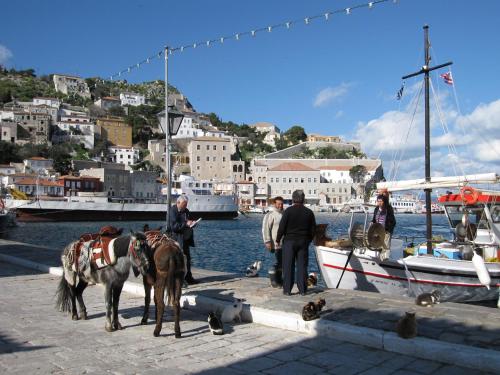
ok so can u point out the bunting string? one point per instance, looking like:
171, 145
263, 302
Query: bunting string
326, 16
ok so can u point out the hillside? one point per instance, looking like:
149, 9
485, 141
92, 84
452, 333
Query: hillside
24, 85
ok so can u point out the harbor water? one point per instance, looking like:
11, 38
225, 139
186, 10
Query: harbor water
222, 245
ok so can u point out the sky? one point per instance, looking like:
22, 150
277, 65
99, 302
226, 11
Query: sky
333, 77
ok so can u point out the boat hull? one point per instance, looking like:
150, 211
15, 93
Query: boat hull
456, 280
45, 211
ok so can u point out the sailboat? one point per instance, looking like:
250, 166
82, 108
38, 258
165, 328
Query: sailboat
465, 269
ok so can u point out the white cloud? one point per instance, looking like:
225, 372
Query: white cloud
474, 136
5, 54
339, 114
330, 94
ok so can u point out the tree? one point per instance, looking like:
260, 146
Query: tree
116, 111
295, 134
358, 173
61, 155
9, 152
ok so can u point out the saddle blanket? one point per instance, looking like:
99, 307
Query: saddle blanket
93, 255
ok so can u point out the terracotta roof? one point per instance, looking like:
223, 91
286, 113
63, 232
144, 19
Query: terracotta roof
292, 167
38, 158
245, 182
32, 181
111, 98
262, 125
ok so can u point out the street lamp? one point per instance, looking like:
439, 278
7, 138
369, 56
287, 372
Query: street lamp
174, 121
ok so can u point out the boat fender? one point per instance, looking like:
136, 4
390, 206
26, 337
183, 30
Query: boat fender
481, 270
469, 195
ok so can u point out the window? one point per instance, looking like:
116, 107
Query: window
214, 158
208, 158
208, 147
283, 179
215, 147
224, 148
198, 147
198, 158
272, 180
223, 158
309, 179
296, 179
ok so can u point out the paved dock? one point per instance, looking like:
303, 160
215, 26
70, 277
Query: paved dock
278, 340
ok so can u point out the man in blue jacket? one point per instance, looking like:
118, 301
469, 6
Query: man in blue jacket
182, 232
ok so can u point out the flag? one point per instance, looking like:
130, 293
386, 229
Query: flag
448, 79
399, 95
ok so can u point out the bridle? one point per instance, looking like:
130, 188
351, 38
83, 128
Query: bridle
134, 245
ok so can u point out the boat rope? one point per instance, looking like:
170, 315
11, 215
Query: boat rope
401, 151
451, 147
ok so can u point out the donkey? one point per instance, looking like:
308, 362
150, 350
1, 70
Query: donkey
168, 268
125, 251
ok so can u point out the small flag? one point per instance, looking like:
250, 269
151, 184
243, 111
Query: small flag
399, 95
448, 79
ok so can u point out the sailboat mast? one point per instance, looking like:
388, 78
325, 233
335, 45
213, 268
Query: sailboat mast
428, 201
426, 70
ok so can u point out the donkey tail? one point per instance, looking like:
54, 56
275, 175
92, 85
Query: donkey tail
175, 277
63, 295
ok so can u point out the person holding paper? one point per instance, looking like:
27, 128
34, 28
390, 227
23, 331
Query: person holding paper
182, 232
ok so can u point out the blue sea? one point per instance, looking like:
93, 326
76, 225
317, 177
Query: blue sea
223, 245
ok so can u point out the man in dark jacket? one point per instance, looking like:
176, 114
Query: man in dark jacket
384, 214
297, 228
182, 232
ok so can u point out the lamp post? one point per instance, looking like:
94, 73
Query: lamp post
170, 126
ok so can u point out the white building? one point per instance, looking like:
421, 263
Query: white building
124, 155
108, 102
38, 165
189, 128
71, 85
8, 131
131, 98
6, 115
51, 102
143, 186
74, 132
272, 132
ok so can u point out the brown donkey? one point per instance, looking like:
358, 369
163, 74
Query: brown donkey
169, 269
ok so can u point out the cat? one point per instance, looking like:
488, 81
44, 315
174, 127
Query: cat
215, 324
312, 280
406, 327
253, 270
311, 310
428, 299
232, 312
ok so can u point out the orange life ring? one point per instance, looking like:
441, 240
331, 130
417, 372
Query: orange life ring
469, 195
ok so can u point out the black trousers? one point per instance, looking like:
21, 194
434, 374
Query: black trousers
187, 253
295, 251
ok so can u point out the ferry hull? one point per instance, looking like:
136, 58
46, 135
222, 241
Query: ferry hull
45, 211
457, 282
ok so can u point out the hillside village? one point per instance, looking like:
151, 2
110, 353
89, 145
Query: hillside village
63, 135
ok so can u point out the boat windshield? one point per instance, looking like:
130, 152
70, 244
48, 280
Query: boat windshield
476, 215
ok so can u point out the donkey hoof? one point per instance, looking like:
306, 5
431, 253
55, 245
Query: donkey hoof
74, 317
156, 333
144, 321
83, 316
117, 326
109, 327
178, 335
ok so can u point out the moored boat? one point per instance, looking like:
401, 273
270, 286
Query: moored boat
203, 203
457, 267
